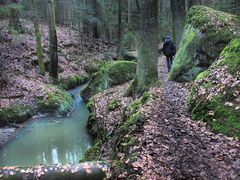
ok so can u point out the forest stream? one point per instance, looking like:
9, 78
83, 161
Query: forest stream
50, 140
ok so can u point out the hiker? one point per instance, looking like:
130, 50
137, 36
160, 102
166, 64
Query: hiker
169, 51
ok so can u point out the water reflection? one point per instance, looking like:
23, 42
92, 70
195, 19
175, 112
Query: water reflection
50, 140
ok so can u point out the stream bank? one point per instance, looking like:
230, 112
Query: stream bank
50, 139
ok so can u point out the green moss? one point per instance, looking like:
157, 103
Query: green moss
225, 119
230, 56
183, 60
135, 105
206, 34
113, 105
15, 114
208, 19
109, 75
57, 100
203, 75
92, 154
73, 81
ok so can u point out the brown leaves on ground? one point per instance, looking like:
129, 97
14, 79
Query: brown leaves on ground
20, 81
170, 145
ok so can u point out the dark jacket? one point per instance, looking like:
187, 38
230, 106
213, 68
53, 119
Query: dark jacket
169, 48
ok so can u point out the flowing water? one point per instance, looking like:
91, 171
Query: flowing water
50, 140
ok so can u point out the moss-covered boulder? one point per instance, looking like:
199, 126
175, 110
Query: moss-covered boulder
55, 101
15, 113
206, 33
109, 75
73, 81
215, 96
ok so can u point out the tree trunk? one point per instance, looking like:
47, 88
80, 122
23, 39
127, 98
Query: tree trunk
129, 13
38, 38
147, 71
95, 23
53, 44
88, 171
178, 16
119, 50
14, 19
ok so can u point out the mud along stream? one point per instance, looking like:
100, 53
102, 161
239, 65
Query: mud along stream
50, 140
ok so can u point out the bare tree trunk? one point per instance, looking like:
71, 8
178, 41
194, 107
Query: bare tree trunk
38, 38
14, 19
53, 44
119, 50
147, 72
178, 16
129, 13
95, 24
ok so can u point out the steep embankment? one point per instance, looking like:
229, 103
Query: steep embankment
23, 91
215, 96
206, 33
153, 137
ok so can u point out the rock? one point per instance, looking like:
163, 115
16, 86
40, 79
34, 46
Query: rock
109, 75
73, 81
206, 33
220, 95
131, 56
55, 101
15, 113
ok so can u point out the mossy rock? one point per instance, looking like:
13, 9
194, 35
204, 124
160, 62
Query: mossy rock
207, 32
73, 81
15, 113
57, 101
109, 75
215, 94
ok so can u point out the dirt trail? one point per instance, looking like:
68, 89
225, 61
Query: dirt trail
175, 147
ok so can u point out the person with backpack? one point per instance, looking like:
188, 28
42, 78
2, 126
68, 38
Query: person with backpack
169, 51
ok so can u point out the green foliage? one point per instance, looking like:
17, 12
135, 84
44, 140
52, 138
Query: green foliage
15, 113
57, 100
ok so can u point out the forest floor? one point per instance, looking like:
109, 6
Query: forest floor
169, 145
174, 146
20, 81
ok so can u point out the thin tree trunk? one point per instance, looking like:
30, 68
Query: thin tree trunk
95, 24
119, 50
129, 13
38, 38
178, 16
14, 19
53, 44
